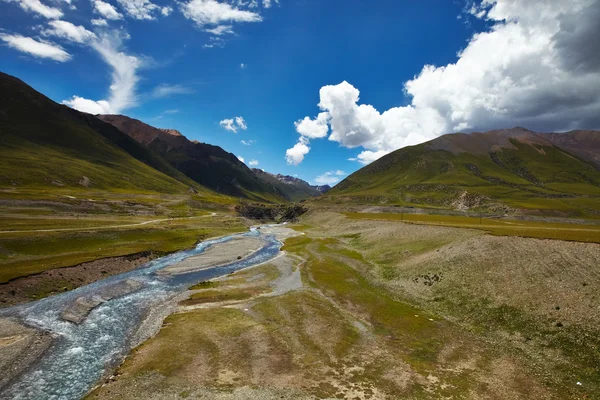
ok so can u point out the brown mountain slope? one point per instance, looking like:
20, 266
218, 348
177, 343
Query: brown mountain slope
47, 146
510, 169
206, 164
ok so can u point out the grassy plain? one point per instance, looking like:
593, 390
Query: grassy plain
41, 230
501, 227
384, 310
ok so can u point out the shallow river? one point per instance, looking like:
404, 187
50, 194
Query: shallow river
81, 354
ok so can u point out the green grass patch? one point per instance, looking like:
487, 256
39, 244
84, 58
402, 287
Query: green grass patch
540, 230
23, 254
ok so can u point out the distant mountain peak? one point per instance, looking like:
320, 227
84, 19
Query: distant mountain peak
173, 132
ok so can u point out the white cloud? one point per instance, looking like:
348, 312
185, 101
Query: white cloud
220, 30
229, 125
339, 172
211, 12
166, 90
248, 142
234, 124
37, 7
36, 48
239, 121
243, 66
313, 128
241, 159
295, 155
139, 9
124, 79
253, 163
67, 30
328, 178
89, 106
106, 10
536, 67
266, 3
99, 22
367, 156
166, 11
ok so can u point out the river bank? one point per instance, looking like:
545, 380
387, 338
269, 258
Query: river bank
82, 353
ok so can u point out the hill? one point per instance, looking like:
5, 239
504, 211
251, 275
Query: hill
498, 171
291, 188
209, 165
48, 146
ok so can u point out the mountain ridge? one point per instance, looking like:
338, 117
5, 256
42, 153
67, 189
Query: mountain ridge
290, 187
208, 165
506, 169
46, 144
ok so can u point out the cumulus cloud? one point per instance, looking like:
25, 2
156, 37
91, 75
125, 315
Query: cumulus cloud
37, 7
123, 78
106, 10
69, 31
166, 90
313, 128
534, 67
253, 163
295, 155
139, 9
211, 12
241, 159
36, 48
234, 124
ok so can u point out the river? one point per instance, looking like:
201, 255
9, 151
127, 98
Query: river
81, 355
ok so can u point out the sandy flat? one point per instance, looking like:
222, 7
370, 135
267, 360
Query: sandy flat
19, 347
218, 254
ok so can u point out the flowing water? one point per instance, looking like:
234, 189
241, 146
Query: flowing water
81, 354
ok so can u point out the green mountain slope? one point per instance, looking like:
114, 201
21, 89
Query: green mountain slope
292, 189
496, 170
48, 145
209, 165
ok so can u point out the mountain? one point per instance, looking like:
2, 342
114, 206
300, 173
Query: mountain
46, 146
501, 170
208, 165
322, 188
291, 188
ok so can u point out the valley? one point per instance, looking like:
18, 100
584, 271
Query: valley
137, 263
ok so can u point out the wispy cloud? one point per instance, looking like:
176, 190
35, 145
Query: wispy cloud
68, 31
124, 78
248, 142
220, 30
253, 163
211, 12
329, 178
234, 124
167, 90
36, 48
106, 10
37, 7
139, 9
166, 112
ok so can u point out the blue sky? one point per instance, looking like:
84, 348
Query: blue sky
386, 73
